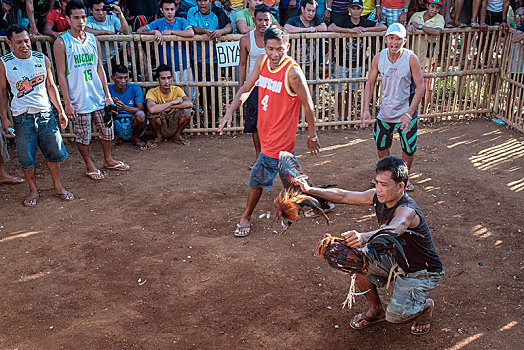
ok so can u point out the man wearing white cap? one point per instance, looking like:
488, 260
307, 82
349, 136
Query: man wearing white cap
402, 91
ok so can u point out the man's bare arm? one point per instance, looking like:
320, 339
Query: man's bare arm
340, 196
244, 56
52, 90
3, 98
242, 95
102, 74
416, 73
297, 82
242, 27
59, 53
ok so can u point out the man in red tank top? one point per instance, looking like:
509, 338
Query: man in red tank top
282, 89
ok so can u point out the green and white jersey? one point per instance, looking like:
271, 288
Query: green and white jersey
85, 88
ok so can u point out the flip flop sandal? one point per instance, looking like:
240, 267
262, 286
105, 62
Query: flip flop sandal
370, 320
31, 202
118, 166
15, 180
65, 196
421, 323
95, 175
247, 229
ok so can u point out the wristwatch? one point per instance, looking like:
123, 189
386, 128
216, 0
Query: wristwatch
405, 10
329, 9
314, 138
420, 26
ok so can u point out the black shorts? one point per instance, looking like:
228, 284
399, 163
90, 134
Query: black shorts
250, 121
493, 18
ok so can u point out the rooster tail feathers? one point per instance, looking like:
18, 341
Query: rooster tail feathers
385, 240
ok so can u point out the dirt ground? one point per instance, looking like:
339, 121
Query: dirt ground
146, 259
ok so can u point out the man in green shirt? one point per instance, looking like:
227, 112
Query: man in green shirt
245, 18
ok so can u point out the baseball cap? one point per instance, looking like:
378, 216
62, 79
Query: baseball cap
357, 3
396, 29
436, 2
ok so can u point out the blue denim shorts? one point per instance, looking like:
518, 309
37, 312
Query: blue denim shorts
35, 131
263, 172
410, 292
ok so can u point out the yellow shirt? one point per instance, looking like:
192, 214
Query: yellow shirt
159, 98
420, 46
237, 3
369, 6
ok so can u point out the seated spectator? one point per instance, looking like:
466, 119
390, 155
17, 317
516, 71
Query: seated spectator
102, 23
245, 18
355, 24
287, 9
336, 9
213, 22
169, 109
130, 122
36, 12
307, 22
494, 12
171, 25
56, 23
390, 11
231, 8
431, 23
140, 12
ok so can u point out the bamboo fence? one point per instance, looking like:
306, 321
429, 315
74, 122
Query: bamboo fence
467, 73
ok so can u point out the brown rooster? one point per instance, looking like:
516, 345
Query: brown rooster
290, 202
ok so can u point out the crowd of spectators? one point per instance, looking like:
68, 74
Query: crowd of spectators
46, 16
187, 18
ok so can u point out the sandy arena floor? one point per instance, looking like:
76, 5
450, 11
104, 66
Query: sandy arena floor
146, 259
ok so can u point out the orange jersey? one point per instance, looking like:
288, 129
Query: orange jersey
278, 109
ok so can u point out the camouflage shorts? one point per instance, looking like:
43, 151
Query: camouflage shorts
410, 291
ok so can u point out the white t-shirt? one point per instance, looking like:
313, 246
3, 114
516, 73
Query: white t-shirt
111, 24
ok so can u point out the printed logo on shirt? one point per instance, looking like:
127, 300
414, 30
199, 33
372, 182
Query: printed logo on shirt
26, 85
14, 68
38, 65
270, 84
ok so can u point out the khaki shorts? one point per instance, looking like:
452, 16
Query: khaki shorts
170, 122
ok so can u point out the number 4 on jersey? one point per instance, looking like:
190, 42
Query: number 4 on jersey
264, 102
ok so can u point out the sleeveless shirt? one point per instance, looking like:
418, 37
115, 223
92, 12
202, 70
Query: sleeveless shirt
278, 109
27, 80
420, 251
85, 88
254, 51
396, 86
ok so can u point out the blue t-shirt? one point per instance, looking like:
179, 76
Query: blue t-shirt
178, 24
131, 97
216, 19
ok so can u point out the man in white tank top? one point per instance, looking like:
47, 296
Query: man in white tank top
400, 69
84, 86
252, 47
30, 79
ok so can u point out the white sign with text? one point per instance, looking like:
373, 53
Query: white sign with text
228, 53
